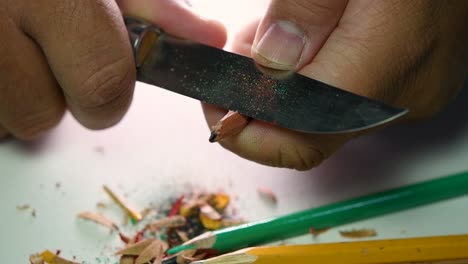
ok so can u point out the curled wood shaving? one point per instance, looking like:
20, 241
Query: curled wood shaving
135, 249
99, 219
167, 222
219, 201
127, 260
210, 212
359, 233
123, 204
209, 223
267, 194
155, 250
36, 259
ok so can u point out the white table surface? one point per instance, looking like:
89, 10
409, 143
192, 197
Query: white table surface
150, 158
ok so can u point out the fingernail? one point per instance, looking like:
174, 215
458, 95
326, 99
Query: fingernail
281, 46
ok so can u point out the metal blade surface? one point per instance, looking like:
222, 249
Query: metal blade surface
234, 82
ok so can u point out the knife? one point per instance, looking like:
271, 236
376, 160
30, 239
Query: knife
235, 82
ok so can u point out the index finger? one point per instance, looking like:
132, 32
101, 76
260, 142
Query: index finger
89, 52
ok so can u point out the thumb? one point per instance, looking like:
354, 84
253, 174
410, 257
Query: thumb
293, 31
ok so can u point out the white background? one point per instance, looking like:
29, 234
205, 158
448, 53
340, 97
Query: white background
149, 157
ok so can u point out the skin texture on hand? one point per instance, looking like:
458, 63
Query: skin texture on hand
410, 54
76, 54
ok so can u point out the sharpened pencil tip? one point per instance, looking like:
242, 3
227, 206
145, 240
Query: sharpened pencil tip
213, 137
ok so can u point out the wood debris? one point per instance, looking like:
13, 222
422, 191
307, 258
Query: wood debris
219, 201
267, 194
23, 207
49, 258
127, 260
183, 221
101, 205
359, 233
134, 214
135, 249
317, 232
167, 222
99, 219
155, 251
209, 217
182, 235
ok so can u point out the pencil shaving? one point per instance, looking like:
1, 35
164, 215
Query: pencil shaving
267, 194
219, 201
49, 258
99, 219
36, 259
134, 214
167, 222
182, 235
359, 233
316, 232
127, 260
23, 207
210, 212
136, 249
155, 250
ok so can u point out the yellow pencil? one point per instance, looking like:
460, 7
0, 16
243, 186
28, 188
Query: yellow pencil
435, 250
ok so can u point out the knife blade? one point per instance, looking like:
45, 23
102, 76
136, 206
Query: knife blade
235, 82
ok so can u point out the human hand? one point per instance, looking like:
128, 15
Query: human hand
410, 54
76, 54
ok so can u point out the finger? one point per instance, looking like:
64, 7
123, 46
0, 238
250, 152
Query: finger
88, 49
169, 14
292, 32
275, 146
30, 98
243, 40
390, 57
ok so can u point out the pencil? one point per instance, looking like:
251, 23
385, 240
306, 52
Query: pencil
440, 249
372, 205
230, 125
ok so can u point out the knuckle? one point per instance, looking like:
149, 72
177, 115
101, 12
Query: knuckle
31, 126
106, 85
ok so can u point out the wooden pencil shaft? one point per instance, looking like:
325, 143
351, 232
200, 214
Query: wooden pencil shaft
341, 213
441, 249
230, 125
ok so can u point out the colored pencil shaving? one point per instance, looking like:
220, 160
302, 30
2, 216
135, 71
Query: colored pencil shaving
230, 125
134, 214
441, 249
359, 233
268, 230
49, 258
99, 219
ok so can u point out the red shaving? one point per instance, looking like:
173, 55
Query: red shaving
124, 238
139, 235
176, 206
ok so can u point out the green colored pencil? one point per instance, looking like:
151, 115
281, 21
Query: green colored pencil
332, 215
